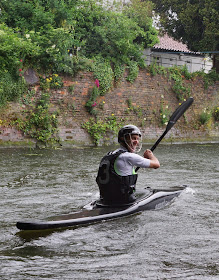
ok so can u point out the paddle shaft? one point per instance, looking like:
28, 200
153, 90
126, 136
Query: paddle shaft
173, 119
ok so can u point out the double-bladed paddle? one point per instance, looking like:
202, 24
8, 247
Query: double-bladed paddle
173, 119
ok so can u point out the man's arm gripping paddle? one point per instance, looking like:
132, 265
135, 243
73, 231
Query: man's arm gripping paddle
173, 119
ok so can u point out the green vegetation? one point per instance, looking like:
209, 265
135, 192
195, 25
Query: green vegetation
118, 71
103, 73
13, 49
133, 71
65, 37
98, 129
205, 116
91, 103
39, 123
155, 69
11, 89
210, 78
51, 82
136, 109
216, 113
164, 113
179, 74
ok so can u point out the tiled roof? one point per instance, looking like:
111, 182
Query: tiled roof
169, 44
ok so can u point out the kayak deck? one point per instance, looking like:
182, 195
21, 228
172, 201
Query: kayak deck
152, 199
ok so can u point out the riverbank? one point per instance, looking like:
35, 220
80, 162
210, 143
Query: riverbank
169, 140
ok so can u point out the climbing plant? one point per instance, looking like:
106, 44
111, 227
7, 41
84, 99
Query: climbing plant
91, 103
99, 128
39, 123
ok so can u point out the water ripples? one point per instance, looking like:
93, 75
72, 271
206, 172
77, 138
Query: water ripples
177, 242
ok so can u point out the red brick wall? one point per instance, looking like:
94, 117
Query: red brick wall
147, 93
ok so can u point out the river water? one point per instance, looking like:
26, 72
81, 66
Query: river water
180, 241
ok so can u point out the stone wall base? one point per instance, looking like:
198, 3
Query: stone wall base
79, 137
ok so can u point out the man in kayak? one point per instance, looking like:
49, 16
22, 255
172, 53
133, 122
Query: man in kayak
116, 175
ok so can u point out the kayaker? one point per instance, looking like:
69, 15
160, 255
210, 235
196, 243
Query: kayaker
116, 175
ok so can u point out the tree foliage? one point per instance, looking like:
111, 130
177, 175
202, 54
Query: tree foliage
195, 22
142, 13
61, 36
13, 50
77, 27
107, 33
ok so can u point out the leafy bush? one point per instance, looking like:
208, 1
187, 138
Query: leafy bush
155, 69
185, 72
164, 113
133, 71
53, 81
14, 52
103, 73
210, 78
98, 129
205, 116
15, 49
39, 123
11, 89
177, 75
91, 103
59, 37
118, 71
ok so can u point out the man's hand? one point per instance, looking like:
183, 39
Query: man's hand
154, 162
148, 154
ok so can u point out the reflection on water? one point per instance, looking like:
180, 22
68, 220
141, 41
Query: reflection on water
178, 242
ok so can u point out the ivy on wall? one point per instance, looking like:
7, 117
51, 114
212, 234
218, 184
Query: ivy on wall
39, 123
98, 129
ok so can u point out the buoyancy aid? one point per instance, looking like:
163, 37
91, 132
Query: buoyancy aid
114, 189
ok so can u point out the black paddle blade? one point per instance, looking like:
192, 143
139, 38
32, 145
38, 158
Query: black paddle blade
179, 112
173, 119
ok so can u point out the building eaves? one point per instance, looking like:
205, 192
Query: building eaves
168, 44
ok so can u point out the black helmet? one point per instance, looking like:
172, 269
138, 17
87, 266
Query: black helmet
128, 129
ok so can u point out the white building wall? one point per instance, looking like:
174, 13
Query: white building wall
194, 63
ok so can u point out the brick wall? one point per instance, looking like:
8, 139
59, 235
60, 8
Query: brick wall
146, 95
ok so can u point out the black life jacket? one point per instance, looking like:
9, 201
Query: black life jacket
114, 189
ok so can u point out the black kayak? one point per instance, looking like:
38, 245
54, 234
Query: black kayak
152, 199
